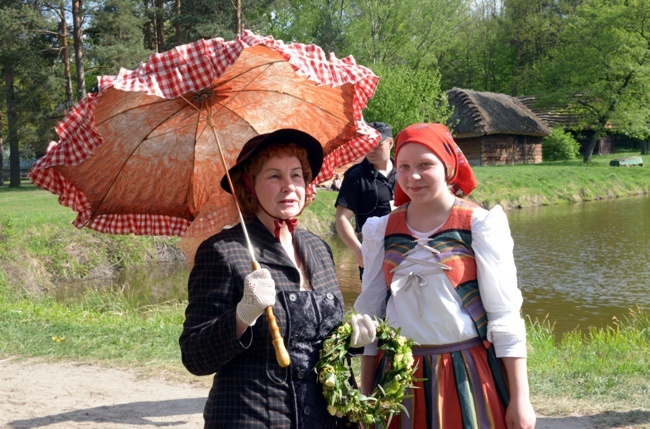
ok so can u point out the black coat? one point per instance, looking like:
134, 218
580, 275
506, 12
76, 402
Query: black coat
250, 390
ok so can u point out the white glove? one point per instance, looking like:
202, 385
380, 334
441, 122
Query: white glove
364, 330
259, 293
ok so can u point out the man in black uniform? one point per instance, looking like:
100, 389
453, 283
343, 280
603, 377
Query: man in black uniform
366, 191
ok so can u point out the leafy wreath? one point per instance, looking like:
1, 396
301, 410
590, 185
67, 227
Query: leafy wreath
340, 391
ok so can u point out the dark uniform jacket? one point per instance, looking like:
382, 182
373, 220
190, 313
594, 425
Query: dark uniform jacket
249, 389
366, 192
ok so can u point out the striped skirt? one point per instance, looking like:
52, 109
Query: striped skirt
460, 386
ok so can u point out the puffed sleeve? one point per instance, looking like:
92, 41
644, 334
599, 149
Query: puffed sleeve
372, 299
497, 277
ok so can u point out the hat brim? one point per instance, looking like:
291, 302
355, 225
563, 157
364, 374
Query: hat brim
284, 136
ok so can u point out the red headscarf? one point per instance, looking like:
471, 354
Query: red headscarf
438, 139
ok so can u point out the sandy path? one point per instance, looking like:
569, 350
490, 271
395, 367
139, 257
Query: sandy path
70, 396
74, 396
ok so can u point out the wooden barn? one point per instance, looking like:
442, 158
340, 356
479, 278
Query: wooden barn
495, 129
570, 121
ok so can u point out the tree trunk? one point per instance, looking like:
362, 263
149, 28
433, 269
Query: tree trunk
154, 27
14, 156
177, 26
78, 48
645, 146
66, 59
589, 150
149, 37
160, 25
239, 29
515, 78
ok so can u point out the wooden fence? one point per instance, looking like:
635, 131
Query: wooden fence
5, 174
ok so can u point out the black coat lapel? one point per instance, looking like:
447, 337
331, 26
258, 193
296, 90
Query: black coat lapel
267, 249
313, 253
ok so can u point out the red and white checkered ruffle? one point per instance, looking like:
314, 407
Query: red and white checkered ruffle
196, 65
355, 149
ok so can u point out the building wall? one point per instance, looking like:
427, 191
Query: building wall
605, 145
471, 148
501, 149
504, 149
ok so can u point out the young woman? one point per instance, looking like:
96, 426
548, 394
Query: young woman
441, 268
225, 332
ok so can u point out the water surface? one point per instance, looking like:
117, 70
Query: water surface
578, 265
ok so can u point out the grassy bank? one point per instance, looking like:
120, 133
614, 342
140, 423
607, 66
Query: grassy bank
603, 370
558, 183
39, 246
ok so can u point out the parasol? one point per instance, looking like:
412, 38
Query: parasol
145, 153
139, 156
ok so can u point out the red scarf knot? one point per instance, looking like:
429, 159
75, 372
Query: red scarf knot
291, 224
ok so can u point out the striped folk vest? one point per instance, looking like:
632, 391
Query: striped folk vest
454, 242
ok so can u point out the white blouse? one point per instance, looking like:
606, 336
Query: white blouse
424, 303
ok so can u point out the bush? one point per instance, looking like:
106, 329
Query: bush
405, 96
560, 146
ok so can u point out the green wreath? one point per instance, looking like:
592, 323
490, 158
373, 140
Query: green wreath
335, 375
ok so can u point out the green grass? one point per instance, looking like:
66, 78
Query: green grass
606, 369
318, 217
558, 182
100, 327
30, 206
39, 246
603, 370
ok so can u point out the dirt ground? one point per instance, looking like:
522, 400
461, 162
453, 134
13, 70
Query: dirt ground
74, 396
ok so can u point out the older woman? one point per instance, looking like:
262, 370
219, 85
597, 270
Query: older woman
225, 331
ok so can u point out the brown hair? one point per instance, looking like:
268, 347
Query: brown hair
247, 201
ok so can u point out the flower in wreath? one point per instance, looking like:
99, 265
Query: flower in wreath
337, 378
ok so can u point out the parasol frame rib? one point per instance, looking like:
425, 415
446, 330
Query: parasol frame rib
259, 69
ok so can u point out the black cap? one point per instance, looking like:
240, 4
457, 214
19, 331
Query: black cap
286, 135
384, 129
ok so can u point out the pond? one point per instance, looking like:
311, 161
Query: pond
578, 265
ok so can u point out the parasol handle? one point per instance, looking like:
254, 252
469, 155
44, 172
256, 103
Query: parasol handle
281, 353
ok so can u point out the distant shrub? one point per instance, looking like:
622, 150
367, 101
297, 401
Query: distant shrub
405, 96
560, 146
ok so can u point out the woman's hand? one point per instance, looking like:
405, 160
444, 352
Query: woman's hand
364, 330
259, 293
520, 415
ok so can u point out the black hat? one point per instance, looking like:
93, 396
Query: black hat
383, 128
286, 135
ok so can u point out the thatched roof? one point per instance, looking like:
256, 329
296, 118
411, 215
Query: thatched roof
555, 116
483, 113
